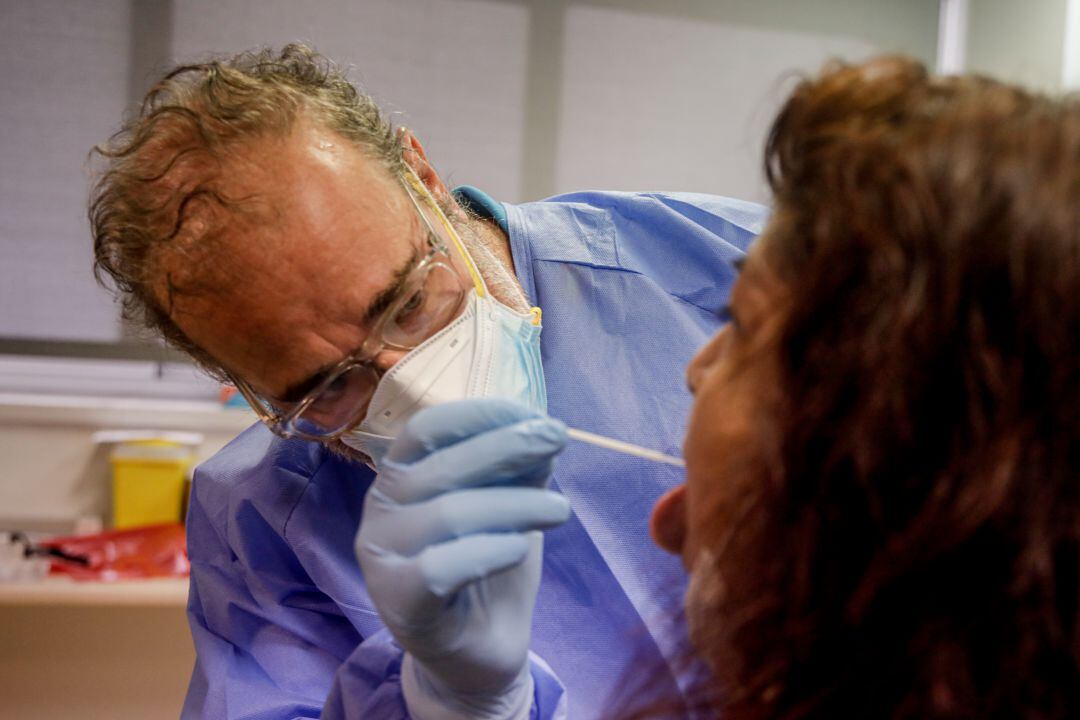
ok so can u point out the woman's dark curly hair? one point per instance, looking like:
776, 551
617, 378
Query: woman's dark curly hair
915, 544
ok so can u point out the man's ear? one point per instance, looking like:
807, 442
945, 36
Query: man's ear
414, 156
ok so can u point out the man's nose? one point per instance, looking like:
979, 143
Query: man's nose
388, 358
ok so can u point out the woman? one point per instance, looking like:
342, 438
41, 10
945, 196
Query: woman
882, 512
882, 509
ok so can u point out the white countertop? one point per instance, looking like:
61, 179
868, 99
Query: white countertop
63, 591
120, 413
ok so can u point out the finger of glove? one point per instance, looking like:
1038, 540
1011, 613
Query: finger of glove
522, 453
449, 423
447, 567
469, 512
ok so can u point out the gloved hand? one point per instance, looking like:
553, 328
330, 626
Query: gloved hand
450, 547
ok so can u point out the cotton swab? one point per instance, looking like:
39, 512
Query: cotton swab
624, 447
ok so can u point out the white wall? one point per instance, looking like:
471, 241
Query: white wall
524, 98
452, 69
64, 83
668, 103
1019, 42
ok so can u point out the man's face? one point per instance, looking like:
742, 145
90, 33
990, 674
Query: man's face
299, 267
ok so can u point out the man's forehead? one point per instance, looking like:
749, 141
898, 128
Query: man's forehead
277, 329
309, 189
309, 163
325, 232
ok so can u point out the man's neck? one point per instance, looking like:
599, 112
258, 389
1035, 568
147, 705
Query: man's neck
490, 248
498, 241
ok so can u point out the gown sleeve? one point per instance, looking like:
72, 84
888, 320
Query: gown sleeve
270, 645
267, 642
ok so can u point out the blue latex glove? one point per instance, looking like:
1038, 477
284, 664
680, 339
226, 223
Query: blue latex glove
451, 552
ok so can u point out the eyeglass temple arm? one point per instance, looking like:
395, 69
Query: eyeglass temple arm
474, 273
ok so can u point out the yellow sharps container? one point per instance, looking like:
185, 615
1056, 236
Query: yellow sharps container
148, 481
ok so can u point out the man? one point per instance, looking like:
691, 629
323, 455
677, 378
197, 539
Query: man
262, 215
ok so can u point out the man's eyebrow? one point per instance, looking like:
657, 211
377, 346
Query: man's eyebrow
390, 293
296, 391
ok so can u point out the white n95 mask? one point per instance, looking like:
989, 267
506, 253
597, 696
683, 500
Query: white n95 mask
489, 351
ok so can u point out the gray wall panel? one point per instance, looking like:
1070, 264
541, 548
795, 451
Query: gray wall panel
524, 98
453, 70
1018, 42
64, 82
661, 102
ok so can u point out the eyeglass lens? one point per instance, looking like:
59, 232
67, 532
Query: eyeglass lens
425, 308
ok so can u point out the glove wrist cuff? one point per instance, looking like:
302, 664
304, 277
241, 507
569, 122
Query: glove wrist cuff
428, 698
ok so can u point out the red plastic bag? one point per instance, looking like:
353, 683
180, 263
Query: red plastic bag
142, 552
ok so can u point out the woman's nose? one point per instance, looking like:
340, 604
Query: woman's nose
702, 360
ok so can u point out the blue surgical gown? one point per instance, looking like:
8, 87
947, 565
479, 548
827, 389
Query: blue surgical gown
630, 286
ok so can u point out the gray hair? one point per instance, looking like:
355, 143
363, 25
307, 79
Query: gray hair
170, 150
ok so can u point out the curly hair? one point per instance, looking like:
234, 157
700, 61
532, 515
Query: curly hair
912, 549
172, 150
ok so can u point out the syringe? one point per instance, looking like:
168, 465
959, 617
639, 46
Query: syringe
624, 447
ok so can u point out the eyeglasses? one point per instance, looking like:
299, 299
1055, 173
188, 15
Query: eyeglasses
432, 295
